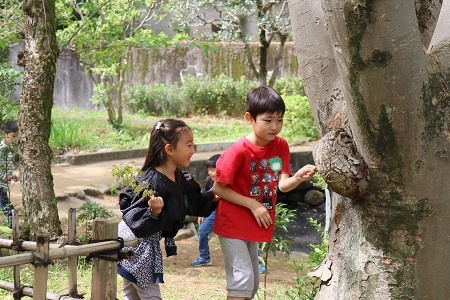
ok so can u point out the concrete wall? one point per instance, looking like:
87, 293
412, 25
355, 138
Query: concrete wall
73, 88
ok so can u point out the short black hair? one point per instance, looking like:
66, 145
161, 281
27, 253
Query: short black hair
211, 162
264, 99
10, 126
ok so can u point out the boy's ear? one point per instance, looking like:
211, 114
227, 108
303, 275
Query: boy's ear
248, 118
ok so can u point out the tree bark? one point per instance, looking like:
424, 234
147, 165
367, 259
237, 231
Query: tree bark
382, 106
36, 101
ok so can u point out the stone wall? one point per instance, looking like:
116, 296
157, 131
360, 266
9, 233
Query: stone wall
73, 88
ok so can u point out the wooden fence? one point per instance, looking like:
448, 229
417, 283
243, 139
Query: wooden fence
105, 252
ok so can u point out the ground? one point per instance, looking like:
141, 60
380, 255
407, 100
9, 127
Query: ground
183, 281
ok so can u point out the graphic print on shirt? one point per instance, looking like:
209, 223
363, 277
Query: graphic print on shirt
264, 180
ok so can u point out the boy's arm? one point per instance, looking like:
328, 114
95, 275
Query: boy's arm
287, 183
258, 210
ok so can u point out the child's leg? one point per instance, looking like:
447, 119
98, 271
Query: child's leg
204, 230
6, 206
241, 266
132, 291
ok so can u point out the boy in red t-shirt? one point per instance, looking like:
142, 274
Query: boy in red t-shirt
248, 174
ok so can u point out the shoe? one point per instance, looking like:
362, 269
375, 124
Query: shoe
262, 269
201, 262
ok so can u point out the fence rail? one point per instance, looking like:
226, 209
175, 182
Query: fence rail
41, 252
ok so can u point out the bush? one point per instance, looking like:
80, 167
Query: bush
155, 100
298, 119
289, 86
221, 96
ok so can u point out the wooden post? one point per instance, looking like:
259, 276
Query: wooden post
104, 272
16, 234
72, 261
41, 266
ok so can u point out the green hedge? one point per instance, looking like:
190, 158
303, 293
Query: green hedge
222, 96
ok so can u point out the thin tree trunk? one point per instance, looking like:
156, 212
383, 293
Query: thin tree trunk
36, 101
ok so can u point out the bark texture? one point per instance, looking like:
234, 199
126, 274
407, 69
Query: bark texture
382, 105
36, 101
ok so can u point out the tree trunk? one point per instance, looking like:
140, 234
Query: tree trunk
382, 105
36, 101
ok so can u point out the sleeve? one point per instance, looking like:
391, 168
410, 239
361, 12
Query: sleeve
228, 165
285, 155
171, 247
199, 203
136, 214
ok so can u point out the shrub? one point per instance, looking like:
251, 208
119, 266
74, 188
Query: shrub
197, 95
155, 100
289, 86
298, 119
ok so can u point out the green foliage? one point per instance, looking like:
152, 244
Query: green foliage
306, 287
156, 100
89, 212
104, 33
8, 80
11, 22
298, 119
319, 181
283, 217
265, 21
126, 175
289, 86
203, 95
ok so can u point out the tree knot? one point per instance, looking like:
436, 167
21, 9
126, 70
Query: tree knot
340, 164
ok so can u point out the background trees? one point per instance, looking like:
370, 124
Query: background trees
103, 34
243, 21
381, 103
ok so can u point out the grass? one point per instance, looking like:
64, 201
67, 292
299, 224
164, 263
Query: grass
82, 130
89, 130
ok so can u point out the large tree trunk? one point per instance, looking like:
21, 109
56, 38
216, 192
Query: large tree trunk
382, 105
36, 101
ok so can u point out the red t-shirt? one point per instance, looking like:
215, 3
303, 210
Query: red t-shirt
252, 171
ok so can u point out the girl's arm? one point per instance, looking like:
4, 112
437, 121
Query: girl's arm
200, 203
258, 210
136, 213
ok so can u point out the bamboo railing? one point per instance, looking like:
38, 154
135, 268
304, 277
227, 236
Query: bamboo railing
41, 253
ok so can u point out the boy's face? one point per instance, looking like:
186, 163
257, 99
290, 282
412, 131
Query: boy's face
266, 126
212, 173
9, 137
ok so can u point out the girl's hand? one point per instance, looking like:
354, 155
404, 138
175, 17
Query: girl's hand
156, 204
200, 220
15, 178
261, 215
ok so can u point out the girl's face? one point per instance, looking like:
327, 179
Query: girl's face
182, 153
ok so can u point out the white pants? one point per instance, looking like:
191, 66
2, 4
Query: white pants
132, 291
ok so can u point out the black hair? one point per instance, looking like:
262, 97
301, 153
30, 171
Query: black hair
211, 162
10, 126
264, 99
164, 132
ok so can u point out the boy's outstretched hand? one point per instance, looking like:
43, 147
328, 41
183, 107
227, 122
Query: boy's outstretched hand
305, 173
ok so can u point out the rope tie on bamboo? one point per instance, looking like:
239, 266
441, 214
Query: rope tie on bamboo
17, 245
39, 261
18, 294
102, 255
